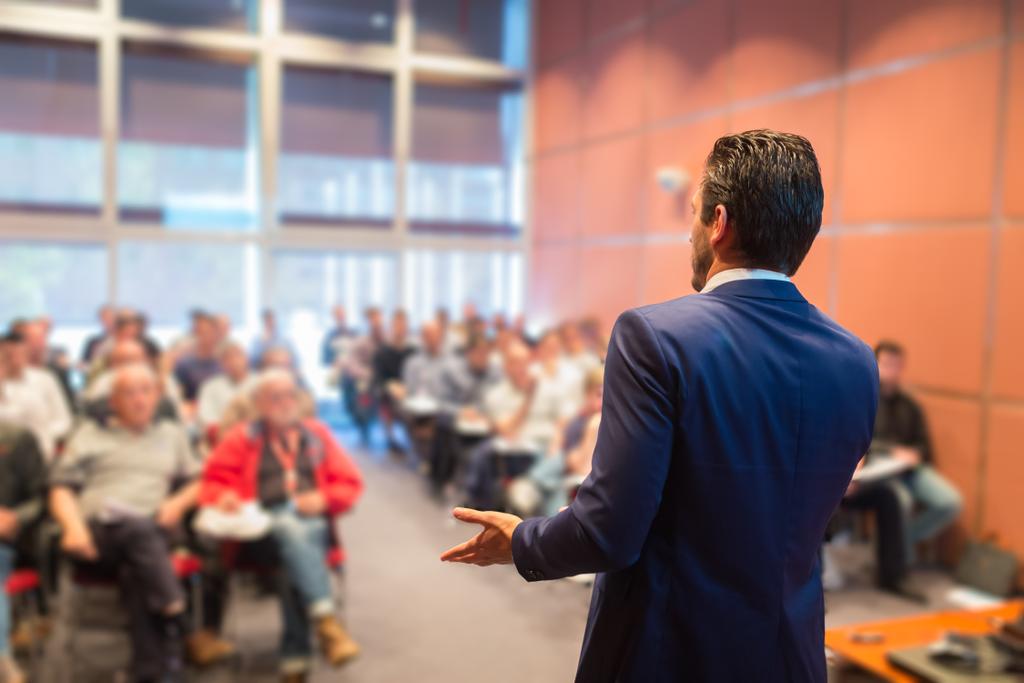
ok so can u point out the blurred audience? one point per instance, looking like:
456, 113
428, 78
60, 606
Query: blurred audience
216, 393
929, 502
269, 337
388, 365
527, 411
106, 316
545, 488
500, 420
201, 360
297, 472
32, 397
22, 488
113, 494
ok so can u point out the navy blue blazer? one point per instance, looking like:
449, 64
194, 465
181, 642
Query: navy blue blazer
731, 426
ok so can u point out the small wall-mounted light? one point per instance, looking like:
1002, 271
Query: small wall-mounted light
672, 179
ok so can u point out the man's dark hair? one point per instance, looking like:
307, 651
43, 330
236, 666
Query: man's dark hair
770, 185
888, 346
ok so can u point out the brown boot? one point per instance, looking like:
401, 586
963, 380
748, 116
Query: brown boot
294, 677
338, 647
205, 648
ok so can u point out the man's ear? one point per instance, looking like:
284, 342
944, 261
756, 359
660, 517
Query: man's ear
719, 225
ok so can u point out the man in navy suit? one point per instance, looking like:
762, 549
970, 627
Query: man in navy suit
732, 423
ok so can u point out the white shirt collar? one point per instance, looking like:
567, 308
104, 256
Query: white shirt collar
733, 274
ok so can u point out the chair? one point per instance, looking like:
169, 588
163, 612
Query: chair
93, 603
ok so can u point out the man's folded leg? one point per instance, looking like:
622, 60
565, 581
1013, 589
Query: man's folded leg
302, 543
138, 549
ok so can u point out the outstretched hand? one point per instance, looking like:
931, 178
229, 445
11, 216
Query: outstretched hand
493, 545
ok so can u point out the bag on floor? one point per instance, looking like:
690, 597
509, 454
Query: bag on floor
987, 567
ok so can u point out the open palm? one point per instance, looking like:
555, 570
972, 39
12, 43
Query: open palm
493, 545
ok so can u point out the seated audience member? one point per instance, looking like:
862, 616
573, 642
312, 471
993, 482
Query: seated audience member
96, 396
543, 490
527, 411
337, 339
43, 356
565, 376
217, 393
464, 381
112, 492
222, 324
466, 378
243, 409
268, 338
94, 343
422, 371
577, 353
22, 486
201, 361
128, 326
355, 370
298, 473
901, 430
34, 395
388, 365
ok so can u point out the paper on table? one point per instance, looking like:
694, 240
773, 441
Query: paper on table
249, 523
420, 405
880, 468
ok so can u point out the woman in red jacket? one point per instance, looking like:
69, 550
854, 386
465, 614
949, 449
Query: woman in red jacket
299, 474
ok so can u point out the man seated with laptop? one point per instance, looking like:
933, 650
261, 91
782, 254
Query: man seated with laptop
898, 480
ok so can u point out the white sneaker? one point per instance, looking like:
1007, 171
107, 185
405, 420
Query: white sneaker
9, 671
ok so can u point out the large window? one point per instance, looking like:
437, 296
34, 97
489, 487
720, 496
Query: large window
355, 20
466, 175
307, 284
490, 29
68, 282
167, 280
240, 154
490, 280
50, 153
221, 14
187, 156
336, 162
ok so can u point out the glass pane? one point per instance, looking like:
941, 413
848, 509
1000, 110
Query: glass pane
491, 280
220, 14
307, 284
489, 29
187, 156
67, 282
466, 174
50, 152
336, 142
356, 20
165, 281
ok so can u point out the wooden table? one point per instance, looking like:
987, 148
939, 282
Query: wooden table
911, 632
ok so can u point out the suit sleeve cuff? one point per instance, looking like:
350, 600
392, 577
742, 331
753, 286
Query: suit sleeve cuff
524, 559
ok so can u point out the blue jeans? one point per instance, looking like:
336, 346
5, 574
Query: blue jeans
549, 477
940, 504
302, 543
6, 567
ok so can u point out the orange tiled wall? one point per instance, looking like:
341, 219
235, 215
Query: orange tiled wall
916, 109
